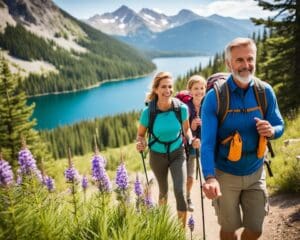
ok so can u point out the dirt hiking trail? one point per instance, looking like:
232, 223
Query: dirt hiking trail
282, 222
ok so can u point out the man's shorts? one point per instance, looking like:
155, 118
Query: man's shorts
244, 201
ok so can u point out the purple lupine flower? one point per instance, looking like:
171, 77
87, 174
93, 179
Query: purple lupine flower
191, 223
122, 177
105, 184
99, 174
97, 167
71, 174
49, 182
27, 162
84, 183
148, 201
6, 174
97, 158
138, 189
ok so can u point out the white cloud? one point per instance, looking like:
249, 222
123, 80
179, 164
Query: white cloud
233, 8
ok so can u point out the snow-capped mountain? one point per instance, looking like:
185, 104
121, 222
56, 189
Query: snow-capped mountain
156, 22
124, 21
185, 31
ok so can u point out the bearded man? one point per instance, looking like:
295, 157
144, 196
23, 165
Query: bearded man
237, 185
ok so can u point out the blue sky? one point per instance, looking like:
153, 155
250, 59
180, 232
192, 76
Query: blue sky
242, 9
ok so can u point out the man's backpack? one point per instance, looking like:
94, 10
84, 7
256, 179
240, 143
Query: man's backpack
218, 82
153, 111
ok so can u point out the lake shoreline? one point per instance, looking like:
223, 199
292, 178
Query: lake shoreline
93, 86
122, 95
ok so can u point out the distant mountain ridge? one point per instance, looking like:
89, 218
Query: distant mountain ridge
55, 52
125, 21
183, 32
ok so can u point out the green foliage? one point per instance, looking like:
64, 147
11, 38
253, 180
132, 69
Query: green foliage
29, 211
14, 118
131, 158
280, 63
112, 131
105, 59
217, 64
285, 166
26, 203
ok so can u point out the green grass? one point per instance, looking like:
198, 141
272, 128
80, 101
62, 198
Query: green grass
285, 166
30, 212
131, 158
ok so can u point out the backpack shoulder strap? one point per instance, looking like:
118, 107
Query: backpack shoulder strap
260, 95
152, 115
223, 99
153, 111
177, 108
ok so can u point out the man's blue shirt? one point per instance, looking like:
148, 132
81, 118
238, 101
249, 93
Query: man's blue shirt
213, 153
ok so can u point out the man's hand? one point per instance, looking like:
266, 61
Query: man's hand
264, 128
211, 188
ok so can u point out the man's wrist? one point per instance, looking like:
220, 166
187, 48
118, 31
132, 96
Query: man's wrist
209, 177
272, 136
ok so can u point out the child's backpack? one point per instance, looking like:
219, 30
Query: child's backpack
153, 111
184, 96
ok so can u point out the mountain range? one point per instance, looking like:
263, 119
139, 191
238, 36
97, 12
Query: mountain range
183, 32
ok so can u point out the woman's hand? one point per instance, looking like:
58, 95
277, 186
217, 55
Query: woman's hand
141, 143
196, 122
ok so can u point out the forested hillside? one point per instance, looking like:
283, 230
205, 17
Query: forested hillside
105, 58
112, 131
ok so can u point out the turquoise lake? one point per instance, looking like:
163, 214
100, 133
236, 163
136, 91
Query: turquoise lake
108, 99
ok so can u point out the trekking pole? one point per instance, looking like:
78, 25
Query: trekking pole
270, 149
202, 203
143, 160
197, 170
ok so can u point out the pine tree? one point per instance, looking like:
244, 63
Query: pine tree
283, 47
15, 122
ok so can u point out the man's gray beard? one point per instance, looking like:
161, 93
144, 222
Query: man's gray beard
244, 80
